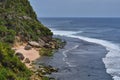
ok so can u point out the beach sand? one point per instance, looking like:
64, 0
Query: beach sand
31, 54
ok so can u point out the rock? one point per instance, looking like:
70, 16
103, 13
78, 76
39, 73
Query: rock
28, 47
34, 44
47, 45
42, 70
53, 46
54, 69
27, 60
20, 55
41, 42
38, 31
47, 38
51, 78
26, 18
41, 66
34, 77
36, 73
30, 65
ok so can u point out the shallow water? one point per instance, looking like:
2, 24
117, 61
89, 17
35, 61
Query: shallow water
102, 31
78, 60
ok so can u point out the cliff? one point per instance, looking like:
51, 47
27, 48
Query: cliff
18, 23
17, 18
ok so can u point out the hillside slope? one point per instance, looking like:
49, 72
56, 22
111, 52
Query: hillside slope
17, 19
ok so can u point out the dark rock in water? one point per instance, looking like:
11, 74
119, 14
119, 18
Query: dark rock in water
28, 47
53, 44
41, 66
20, 55
63, 43
47, 69
51, 78
89, 75
54, 69
27, 60
43, 71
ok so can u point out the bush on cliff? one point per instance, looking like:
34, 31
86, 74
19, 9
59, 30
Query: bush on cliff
17, 18
11, 67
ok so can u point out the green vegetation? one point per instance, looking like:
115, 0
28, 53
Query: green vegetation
60, 43
18, 15
45, 78
53, 47
17, 18
7, 35
10, 66
46, 52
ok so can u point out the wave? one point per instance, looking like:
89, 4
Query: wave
65, 55
64, 33
112, 59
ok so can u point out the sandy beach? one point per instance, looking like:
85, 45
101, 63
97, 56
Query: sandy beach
31, 54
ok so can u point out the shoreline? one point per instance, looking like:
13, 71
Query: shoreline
85, 60
112, 48
33, 55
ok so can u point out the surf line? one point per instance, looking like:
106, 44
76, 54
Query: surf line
65, 55
110, 58
114, 51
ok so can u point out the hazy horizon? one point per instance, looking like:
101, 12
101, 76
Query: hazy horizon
76, 8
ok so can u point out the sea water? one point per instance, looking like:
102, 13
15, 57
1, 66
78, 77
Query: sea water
102, 31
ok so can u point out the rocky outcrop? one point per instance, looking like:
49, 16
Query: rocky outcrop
20, 55
47, 43
47, 38
47, 69
28, 47
34, 44
26, 18
27, 60
41, 42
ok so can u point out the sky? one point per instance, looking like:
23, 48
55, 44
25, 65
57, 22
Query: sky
76, 8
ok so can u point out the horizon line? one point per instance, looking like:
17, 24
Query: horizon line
78, 17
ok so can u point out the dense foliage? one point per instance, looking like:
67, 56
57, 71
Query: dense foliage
17, 18
18, 15
10, 66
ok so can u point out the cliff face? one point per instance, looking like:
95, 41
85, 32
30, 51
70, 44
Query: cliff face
17, 19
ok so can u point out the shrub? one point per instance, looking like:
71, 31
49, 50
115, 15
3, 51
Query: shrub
11, 68
46, 52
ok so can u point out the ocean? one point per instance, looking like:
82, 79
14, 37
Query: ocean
92, 51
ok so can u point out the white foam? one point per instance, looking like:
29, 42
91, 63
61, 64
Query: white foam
65, 55
112, 59
64, 33
69, 64
116, 78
